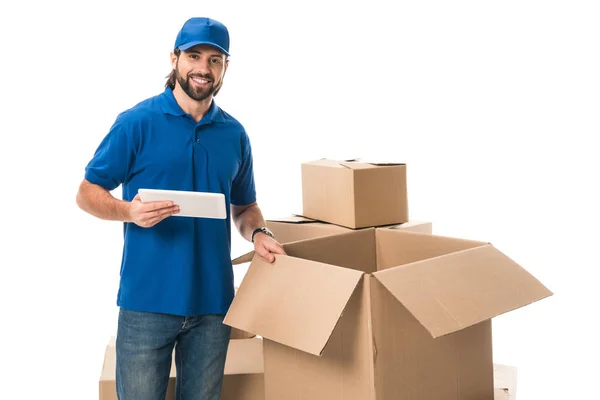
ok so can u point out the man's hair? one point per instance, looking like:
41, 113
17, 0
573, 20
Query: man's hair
172, 77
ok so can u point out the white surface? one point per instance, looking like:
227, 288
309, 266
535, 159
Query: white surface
191, 204
492, 105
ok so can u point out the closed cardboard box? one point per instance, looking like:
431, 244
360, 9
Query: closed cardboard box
354, 194
505, 382
243, 380
295, 227
380, 314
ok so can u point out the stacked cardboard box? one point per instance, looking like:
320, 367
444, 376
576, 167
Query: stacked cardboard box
244, 369
243, 378
354, 194
342, 196
371, 312
297, 227
244, 374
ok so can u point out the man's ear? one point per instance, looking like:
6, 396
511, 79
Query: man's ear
174, 60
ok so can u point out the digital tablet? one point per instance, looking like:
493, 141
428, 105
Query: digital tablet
191, 204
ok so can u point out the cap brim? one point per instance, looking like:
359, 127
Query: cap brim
187, 46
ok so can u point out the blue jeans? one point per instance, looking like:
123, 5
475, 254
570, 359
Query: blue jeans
144, 348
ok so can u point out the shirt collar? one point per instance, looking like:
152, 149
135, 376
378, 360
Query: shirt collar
214, 113
169, 106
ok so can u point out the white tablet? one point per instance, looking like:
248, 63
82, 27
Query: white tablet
191, 204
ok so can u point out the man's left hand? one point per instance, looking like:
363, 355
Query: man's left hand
266, 247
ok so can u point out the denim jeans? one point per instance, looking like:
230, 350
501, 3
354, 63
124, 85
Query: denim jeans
144, 348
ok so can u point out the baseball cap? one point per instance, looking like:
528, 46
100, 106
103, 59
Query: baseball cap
200, 30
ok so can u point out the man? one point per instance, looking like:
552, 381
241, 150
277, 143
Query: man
176, 279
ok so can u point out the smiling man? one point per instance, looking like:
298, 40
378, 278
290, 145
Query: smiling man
176, 277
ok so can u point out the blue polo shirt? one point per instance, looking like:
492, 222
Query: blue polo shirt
182, 265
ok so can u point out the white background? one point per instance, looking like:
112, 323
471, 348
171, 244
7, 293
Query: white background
492, 105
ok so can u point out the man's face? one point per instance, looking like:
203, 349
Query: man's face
200, 71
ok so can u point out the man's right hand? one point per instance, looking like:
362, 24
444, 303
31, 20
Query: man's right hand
150, 213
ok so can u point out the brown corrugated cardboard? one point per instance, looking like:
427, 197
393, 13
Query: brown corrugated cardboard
294, 228
380, 314
354, 194
243, 380
238, 333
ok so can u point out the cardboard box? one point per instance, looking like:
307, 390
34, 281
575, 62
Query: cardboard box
243, 380
505, 380
238, 333
354, 194
501, 394
380, 314
296, 227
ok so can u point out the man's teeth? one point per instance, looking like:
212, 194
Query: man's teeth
200, 80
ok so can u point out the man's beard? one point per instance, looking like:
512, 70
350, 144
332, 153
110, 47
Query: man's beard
196, 93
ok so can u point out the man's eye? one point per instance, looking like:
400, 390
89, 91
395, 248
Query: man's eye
215, 61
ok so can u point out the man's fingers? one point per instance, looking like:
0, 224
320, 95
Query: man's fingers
280, 249
268, 248
266, 254
162, 211
156, 205
152, 218
155, 220
275, 247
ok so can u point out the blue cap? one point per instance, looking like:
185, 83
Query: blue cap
197, 31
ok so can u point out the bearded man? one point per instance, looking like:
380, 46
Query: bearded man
176, 277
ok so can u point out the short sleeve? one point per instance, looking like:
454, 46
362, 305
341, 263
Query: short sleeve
111, 163
243, 191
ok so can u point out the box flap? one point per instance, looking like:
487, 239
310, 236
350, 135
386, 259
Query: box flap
383, 163
292, 301
244, 258
350, 249
356, 163
294, 219
379, 163
454, 291
326, 162
349, 164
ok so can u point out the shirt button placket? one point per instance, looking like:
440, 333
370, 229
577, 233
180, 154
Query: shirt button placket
197, 133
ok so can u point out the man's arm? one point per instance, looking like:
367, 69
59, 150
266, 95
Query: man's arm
97, 201
247, 219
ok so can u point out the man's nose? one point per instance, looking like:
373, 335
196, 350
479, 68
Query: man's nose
203, 66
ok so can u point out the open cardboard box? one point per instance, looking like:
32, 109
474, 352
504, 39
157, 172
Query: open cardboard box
238, 333
297, 227
380, 314
354, 194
